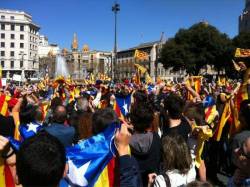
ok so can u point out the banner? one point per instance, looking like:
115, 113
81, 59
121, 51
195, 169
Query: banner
141, 55
242, 52
17, 78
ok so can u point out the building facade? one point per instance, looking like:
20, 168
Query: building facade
244, 19
125, 69
82, 62
45, 49
18, 44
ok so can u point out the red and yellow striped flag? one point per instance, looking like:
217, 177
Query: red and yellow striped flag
224, 117
194, 82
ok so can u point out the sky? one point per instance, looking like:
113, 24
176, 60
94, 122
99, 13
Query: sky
138, 21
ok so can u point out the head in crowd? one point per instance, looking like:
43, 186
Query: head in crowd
60, 114
195, 112
82, 104
245, 113
55, 102
174, 106
102, 118
246, 147
40, 161
30, 113
141, 117
173, 147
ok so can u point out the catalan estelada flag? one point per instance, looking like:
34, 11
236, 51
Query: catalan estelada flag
6, 179
194, 82
222, 122
122, 105
88, 160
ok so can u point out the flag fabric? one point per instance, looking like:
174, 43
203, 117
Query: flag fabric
194, 82
222, 122
89, 158
29, 130
141, 55
203, 135
242, 53
122, 105
140, 68
4, 104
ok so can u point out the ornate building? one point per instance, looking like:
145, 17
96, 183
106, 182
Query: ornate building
83, 62
126, 59
244, 19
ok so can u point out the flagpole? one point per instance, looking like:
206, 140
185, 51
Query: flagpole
115, 9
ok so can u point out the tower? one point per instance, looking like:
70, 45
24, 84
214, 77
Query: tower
74, 45
244, 19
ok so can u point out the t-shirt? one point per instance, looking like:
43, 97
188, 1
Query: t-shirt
183, 129
7, 126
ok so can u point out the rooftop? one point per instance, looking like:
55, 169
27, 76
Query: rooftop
14, 12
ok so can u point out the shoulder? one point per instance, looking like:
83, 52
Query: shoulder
159, 181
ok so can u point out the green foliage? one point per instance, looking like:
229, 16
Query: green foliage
196, 47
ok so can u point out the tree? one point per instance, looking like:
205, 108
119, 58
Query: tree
194, 48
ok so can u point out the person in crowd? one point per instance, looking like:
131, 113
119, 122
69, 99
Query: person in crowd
145, 145
59, 128
178, 166
176, 123
33, 161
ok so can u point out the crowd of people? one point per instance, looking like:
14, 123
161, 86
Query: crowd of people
171, 134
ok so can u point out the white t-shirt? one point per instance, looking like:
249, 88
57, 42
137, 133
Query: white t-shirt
176, 179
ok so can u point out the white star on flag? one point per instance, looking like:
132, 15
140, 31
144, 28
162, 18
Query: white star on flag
76, 175
32, 127
125, 107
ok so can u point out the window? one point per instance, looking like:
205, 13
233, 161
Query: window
12, 17
21, 64
2, 53
12, 64
21, 37
2, 64
2, 27
12, 36
12, 53
2, 17
12, 27
3, 36
21, 28
2, 44
12, 44
21, 45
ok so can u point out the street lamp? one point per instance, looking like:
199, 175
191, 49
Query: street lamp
115, 9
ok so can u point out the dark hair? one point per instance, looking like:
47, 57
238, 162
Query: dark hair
102, 118
40, 161
141, 117
195, 112
28, 113
60, 114
174, 105
245, 113
173, 147
55, 102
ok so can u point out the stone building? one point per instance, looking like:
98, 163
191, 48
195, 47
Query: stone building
18, 44
126, 60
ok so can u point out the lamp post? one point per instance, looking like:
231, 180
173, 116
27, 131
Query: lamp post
115, 9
